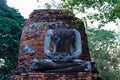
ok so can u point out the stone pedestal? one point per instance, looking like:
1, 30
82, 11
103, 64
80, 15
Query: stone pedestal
54, 76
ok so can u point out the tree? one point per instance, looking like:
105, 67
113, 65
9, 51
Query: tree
10, 30
105, 52
103, 11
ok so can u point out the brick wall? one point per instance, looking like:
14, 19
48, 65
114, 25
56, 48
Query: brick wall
54, 76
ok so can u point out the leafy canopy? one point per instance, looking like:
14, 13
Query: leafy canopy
10, 30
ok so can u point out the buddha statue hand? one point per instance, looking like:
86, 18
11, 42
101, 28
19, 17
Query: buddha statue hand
57, 57
68, 58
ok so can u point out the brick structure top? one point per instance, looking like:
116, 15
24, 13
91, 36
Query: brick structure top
50, 15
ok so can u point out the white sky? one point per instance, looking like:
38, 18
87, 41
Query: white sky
25, 7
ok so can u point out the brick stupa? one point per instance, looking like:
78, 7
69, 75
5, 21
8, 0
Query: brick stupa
32, 35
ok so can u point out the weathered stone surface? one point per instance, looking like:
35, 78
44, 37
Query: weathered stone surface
49, 66
27, 49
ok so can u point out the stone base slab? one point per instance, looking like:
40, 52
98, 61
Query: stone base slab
53, 76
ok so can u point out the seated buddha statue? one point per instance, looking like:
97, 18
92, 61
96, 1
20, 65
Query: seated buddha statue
64, 56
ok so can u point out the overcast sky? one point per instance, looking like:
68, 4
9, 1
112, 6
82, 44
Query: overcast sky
25, 7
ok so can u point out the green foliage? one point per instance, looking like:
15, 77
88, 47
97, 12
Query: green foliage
10, 31
105, 51
116, 10
48, 6
106, 10
3, 4
86, 3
